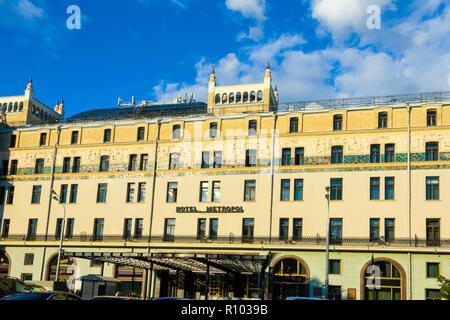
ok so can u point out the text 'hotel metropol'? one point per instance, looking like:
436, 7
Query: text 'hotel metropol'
228, 198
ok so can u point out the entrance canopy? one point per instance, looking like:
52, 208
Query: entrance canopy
220, 263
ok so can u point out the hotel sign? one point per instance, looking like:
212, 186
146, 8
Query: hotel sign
214, 209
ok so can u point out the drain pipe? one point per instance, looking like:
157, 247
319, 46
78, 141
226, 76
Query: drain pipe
408, 108
275, 117
153, 183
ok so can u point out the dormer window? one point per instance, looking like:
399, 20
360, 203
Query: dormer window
382, 119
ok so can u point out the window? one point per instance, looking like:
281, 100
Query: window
73, 193
293, 125
4, 167
26, 276
298, 189
104, 163
5, 228
36, 194
216, 191
107, 135
205, 160
389, 153
39, 166
334, 266
337, 122
10, 198
286, 157
432, 269
201, 228
99, 224
213, 228
172, 190
433, 294
144, 162
336, 189
252, 124
101, 192
249, 190
132, 163
138, 227
389, 186
432, 188
63, 193
74, 137
13, 169
335, 292
374, 188
127, 227
299, 156
43, 139
140, 134
382, 119
32, 229
176, 132
69, 227
66, 165
431, 117
297, 228
250, 158
217, 159
213, 130
336, 154
433, 232
2, 195
431, 151
76, 165
375, 153
174, 161
204, 186
336, 231
59, 228
131, 189
284, 228
141, 192
169, 229
374, 229
285, 189
248, 228
12, 141
389, 230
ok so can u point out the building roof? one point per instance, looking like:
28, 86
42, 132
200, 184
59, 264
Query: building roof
144, 112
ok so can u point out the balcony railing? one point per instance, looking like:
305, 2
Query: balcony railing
233, 239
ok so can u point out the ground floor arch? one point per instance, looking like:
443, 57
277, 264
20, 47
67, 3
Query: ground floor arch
67, 268
5, 264
290, 277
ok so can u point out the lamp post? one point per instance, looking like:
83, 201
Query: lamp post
61, 237
327, 267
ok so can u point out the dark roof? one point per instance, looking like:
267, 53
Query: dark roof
141, 112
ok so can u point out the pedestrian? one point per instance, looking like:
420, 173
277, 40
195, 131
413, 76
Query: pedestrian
117, 293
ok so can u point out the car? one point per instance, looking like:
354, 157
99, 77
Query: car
50, 295
37, 287
113, 298
303, 298
10, 286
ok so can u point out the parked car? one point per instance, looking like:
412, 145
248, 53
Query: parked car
10, 286
37, 287
50, 295
113, 298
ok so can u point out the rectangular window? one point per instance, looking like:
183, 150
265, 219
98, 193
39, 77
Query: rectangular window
213, 130
169, 229
59, 228
249, 190
63, 193
293, 125
101, 192
66, 165
298, 189
389, 230
337, 122
131, 189
140, 134
284, 228
201, 228
374, 188
74, 137
336, 189
99, 225
104, 163
10, 198
375, 153
26, 276
176, 132
39, 166
248, 228
205, 160
335, 266
12, 141
174, 161
172, 190
144, 162
69, 228
4, 167
76, 165
431, 151
389, 152
431, 117
336, 154
336, 231
127, 227
5, 228
374, 229
138, 227
250, 158
432, 269
213, 228
286, 157
141, 192
299, 156
389, 187
382, 119
335, 293
285, 189
432, 188
2, 195
36, 194
29, 259
252, 127
107, 135
132, 163
32, 229
73, 193
204, 186
217, 159
433, 232
43, 139
433, 294
297, 228
13, 169
216, 191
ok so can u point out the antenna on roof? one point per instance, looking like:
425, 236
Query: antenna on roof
119, 102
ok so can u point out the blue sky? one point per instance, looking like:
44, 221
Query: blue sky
158, 49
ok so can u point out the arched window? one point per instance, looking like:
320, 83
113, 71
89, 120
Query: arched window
16, 106
383, 280
224, 98
10, 107
238, 97
245, 97
252, 96
290, 278
260, 96
65, 268
231, 98
4, 265
217, 99
21, 106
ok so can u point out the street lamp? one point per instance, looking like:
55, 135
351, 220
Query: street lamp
57, 198
327, 267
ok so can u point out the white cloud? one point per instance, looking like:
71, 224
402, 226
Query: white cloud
248, 8
28, 10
